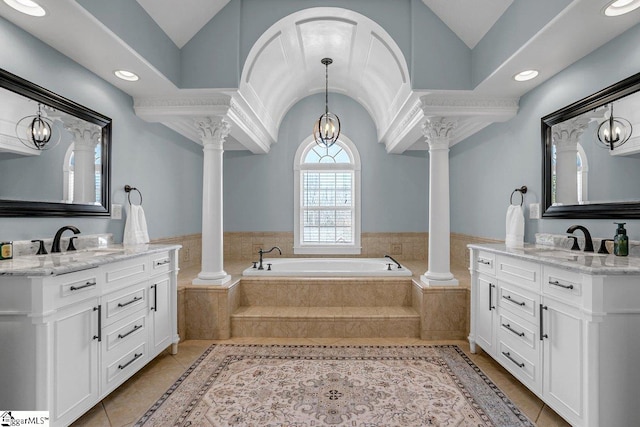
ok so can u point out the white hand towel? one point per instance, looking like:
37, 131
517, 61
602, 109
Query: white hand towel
135, 228
515, 226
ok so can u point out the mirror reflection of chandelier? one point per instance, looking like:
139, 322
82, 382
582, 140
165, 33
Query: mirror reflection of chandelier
39, 131
614, 131
326, 130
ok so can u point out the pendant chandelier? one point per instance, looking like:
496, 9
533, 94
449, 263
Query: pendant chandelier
614, 131
327, 129
39, 131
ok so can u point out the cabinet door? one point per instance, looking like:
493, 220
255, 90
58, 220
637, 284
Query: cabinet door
563, 360
160, 308
485, 310
75, 362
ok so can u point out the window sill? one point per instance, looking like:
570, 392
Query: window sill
327, 250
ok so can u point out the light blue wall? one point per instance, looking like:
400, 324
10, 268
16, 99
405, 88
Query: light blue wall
258, 189
132, 24
164, 165
436, 57
486, 167
521, 21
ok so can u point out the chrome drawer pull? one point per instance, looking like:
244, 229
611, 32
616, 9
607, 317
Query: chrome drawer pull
159, 263
510, 329
129, 302
508, 356
484, 261
135, 328
556, 283
86, 285
511, 300
136, 357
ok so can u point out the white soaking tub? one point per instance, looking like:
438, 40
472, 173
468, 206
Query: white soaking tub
329, 267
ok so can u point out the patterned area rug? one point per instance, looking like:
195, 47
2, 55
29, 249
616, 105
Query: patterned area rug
368, 386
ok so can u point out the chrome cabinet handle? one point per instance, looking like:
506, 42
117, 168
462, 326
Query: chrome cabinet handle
510, 329
542, 334
162, 262
484, 261
135, 357
491, 306
511, 300
508, 356
86, 285
120, 304
135, 328
556, 283
99, 336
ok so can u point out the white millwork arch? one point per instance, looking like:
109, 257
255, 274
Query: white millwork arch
284, 65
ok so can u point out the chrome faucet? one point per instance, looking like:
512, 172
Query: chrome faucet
588, 243
55, 247
260, 267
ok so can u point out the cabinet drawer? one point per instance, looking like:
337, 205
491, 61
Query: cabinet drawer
519, 272
521, 335
485, 262
120, 304
160, 263
566, 285
518, 301
125, 273
522, 368
124, 335
73, 287
119, 370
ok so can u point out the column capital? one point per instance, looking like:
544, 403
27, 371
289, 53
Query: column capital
438, 131
567, 134
213, 130
85, 135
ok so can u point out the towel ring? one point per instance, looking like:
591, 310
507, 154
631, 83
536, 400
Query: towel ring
522, 190
128, 189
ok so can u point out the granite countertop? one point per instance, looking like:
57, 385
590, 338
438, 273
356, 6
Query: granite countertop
585, 262
68, 262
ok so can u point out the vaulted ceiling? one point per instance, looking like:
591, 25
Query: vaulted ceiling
283, 65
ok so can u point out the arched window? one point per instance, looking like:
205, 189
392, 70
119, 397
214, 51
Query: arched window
68, 169
327, 198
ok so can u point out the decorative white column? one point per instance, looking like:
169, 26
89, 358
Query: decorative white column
85, 138
565, 136
438, 133
213, 131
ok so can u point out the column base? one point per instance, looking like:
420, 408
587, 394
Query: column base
441, 280
211, 278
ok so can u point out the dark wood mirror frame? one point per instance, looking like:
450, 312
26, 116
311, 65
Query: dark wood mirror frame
16, 208
595, 210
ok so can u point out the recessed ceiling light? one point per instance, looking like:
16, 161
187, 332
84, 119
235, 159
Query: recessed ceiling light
126, 75
523, 76
620, 7
27, 6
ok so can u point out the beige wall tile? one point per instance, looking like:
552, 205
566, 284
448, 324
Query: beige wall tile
292, 294
327, 294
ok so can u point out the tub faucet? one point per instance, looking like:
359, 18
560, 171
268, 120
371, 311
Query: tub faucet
55, 247
260, 267
588, 243
391, 258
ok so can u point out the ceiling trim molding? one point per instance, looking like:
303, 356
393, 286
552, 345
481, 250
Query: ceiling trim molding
473, 113
178, 112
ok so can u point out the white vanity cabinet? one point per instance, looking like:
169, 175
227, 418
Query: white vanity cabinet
568, 329
70, 339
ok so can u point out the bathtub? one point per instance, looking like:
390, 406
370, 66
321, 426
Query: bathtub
329, 267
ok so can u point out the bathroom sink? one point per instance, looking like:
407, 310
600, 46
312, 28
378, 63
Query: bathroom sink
561, 254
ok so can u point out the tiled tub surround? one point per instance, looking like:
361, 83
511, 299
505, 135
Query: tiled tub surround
565, 323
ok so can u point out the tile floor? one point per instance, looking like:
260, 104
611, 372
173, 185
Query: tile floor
126, 404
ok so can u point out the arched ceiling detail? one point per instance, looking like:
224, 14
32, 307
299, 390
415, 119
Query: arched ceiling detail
284, 65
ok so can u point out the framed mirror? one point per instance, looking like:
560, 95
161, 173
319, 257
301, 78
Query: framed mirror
591, 155
54, 153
